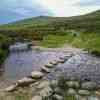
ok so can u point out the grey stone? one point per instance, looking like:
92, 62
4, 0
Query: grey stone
71, 91
46, 70
84, 92
57, 97
43, 84
11, 88
93, 98
61, 60
37, 75
57, 90
25, 81
54, 62
37, 97
47, 91
89, 85
73, 84
49, 65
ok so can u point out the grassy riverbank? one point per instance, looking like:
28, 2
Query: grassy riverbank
4, 44
88, 41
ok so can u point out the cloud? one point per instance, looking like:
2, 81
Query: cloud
67, 7
89, 3
28, 8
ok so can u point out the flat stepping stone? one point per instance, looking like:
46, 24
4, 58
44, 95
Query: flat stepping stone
84, 92
73, 84
11, 88
45, 70
89, 85
61, 61
37, 75
49, 65
25, 81
54, 62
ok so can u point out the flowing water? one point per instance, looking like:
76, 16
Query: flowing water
22, 63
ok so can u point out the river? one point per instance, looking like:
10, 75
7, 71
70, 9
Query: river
22, 63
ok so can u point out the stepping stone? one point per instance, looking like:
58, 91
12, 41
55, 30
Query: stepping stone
57, 97
61, 61
89, 85
25, 81
47, 91
37, 75
84, 92
54, 62
37, 97
43, 84
11, 88
45, 70
49, 65
73, 84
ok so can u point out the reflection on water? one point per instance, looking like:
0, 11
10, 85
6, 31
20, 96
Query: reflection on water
20, 64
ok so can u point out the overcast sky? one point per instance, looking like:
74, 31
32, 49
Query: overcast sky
12, 10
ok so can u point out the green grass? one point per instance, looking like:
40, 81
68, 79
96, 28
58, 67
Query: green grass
53, 41
89, 41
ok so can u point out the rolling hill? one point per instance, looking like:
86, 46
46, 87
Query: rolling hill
42, 25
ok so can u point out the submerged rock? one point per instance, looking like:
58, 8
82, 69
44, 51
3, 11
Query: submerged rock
37, 75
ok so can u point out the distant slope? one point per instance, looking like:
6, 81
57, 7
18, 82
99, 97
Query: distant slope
45, 24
